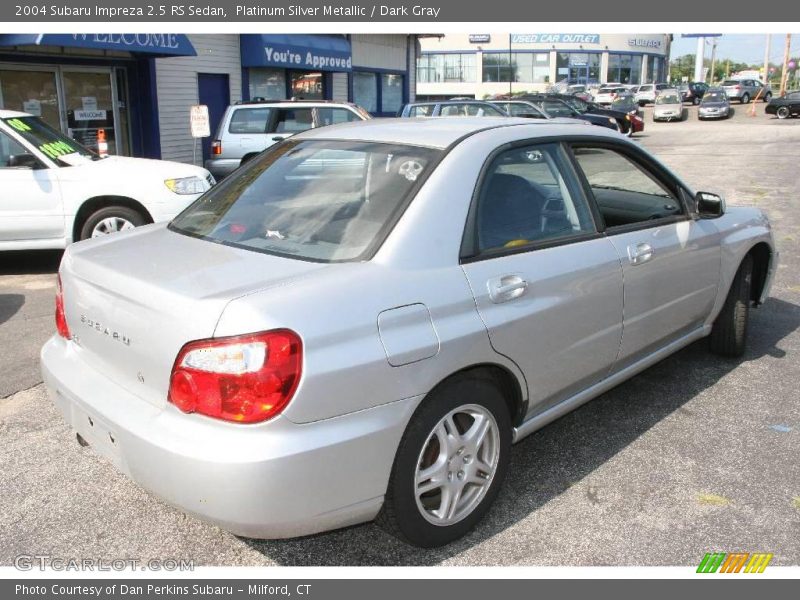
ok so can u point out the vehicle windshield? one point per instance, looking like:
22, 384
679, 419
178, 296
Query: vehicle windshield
668, 99
622, 102
47, 140
325, 201
713, 97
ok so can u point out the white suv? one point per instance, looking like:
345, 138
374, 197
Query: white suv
54, 191
248, 128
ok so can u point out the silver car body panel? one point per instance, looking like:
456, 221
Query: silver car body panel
377, 335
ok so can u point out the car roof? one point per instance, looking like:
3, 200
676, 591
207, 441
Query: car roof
438, 132
434, 102
260, 101
10, 114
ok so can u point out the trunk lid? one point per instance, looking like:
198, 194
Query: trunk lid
134, 299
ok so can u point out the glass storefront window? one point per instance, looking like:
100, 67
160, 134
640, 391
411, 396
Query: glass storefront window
89, 102
391, 93
457, 67
30, 91
578, 67
306, 85
365, 90
269, 84
624, 68
655, 69
497, 67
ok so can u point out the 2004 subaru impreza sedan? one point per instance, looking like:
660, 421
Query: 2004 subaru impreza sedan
359, 322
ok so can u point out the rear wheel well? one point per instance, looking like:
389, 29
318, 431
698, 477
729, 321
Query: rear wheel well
248, 157
506, 382
762, 255
92, 205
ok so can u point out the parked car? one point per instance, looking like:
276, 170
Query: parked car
451, 108
627, 123
605, 94
693, 91
579, 90
714, 105
626, 103
558, 108
250, 127
308, 348
669, 106
784, 107
646, 93
56, 191
520, 108
745, 90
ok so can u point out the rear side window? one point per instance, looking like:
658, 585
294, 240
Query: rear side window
625, 192
424, 110
555, 108
331, 116
293, 120
524, 199
250, 120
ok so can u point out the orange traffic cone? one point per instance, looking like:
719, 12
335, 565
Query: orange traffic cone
102, 144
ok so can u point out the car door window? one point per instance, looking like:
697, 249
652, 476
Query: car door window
293, 120
250, 120
524, 199
9, 147
555, 108
625, 191
331, 116
424, 110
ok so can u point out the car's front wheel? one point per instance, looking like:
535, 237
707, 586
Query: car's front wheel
110, 219
783, 112
450, 464
729, 333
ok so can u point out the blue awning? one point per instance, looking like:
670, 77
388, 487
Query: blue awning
158, 44
307, 51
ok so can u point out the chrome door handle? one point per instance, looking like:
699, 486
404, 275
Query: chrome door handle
640, 253
506, 287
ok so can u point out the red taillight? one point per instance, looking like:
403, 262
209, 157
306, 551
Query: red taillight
61, 318
216, 147
246, 379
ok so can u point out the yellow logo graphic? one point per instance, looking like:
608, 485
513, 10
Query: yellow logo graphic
734, 562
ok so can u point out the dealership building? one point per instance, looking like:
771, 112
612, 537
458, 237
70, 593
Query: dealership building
484, 64
139, 88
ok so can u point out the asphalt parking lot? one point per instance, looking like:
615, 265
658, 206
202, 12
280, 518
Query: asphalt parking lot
696, 454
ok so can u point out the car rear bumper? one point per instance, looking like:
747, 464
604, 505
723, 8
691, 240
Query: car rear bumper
222, 167
273, 480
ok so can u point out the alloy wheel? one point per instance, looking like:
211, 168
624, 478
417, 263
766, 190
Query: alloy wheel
457, 464
111, 225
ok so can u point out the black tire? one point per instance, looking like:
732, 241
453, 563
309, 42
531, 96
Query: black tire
729, 333
767, 97
695, 101
783, 112
122, 213
745, 98
400, 514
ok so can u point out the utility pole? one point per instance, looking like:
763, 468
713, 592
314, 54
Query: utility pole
785, 71
713, 58
766, 59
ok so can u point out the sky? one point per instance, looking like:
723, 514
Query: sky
747, 48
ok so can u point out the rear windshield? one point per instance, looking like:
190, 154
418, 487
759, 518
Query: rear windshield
326, 201
731, 82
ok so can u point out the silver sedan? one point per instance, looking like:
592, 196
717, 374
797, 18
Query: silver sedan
360, 322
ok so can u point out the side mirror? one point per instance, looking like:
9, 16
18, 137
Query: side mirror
709, 206
24, 161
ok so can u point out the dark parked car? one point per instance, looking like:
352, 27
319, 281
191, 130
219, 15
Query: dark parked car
693, 91
714, 105
627, 123
785, 106
557, 107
